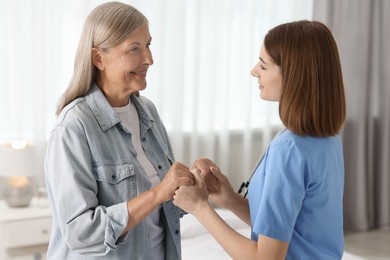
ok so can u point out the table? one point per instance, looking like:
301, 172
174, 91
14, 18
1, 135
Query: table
24, 231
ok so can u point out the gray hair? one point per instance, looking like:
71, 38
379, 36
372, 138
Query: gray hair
108, 25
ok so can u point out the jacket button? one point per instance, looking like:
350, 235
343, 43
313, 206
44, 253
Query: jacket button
176, 232
143, 139
159, 167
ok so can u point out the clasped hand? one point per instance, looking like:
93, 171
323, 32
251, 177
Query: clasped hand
209, 183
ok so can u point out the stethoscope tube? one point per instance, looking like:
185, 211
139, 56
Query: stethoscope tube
244, 186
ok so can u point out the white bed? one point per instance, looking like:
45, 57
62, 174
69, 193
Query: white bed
197, 243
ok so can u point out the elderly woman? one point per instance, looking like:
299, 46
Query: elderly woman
110, 170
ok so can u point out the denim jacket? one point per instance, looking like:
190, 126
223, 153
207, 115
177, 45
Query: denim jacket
91, 172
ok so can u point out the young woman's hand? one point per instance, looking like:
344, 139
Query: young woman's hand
222, 195
192, 198
204, 164
218, 185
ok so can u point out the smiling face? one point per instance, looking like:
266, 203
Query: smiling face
122, 69
269, 77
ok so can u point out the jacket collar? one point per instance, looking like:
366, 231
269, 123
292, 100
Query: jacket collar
145, 117
106, 116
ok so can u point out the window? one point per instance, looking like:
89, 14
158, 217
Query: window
200, 81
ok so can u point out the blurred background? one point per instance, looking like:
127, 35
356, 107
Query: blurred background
201, 84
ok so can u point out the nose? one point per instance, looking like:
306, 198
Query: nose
255, 71
148, 57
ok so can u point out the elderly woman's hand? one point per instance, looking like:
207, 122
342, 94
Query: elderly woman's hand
178, 175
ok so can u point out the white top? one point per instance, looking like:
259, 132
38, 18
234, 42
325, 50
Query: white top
129, 117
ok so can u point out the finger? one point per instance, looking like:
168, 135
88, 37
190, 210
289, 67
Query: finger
198, 179
179, 171
184, 181
216, 172
183, 174
174, 199
179, 165
195, 171
202, 164
204, 169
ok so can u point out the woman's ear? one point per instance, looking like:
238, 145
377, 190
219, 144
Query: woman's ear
97, 58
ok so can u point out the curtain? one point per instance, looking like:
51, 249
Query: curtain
200, 81
361, 31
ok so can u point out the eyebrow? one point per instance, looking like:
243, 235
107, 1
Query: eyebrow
138, 43
262, 60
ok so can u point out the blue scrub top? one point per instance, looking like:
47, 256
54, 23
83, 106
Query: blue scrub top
296, 196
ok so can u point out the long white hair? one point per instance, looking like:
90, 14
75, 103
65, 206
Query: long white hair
107, 26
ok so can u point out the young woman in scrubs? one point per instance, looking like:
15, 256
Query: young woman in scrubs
295, 197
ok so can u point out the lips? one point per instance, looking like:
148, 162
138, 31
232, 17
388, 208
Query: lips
139, 73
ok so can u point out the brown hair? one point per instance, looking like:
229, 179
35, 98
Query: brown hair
108, 25
312, 100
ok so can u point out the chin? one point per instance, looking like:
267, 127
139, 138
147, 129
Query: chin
142, 88
138, 86
265, 98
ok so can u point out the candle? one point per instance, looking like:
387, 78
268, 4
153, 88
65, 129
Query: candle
18, 181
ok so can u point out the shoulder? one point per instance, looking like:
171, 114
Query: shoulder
74, 115
311, 154
306, 144
289, 150
286, 142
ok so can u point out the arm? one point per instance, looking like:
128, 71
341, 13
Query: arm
87, 225
145, 203
194, 200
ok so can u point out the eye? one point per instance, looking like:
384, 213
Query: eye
262, 67
134, 50
148, 45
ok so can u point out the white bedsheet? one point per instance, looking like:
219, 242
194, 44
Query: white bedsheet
198, 244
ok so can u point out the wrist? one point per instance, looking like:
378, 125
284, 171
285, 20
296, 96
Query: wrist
234, 199
158, 194
202, 208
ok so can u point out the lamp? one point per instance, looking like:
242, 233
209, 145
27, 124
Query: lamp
17, 165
